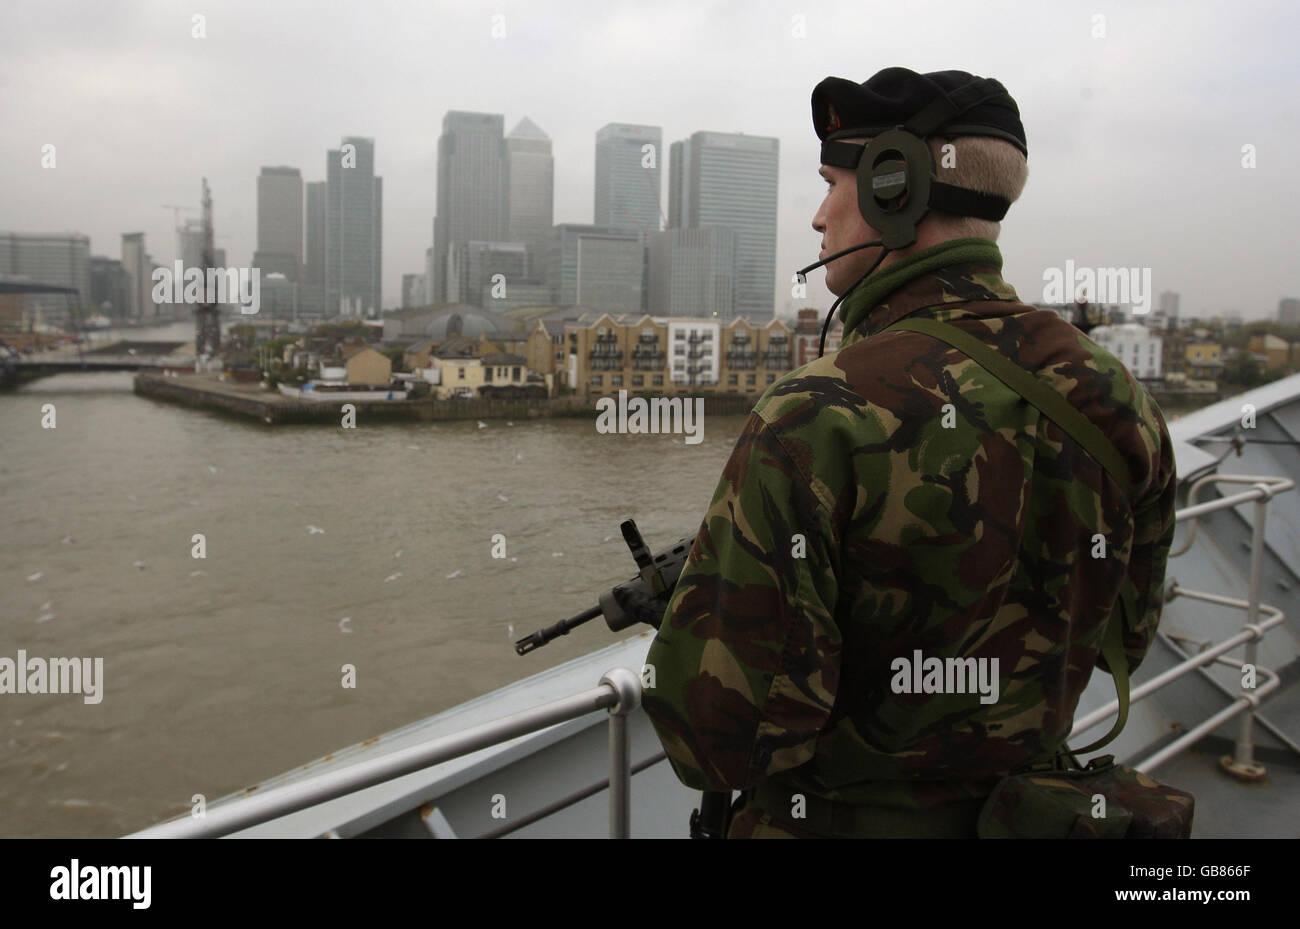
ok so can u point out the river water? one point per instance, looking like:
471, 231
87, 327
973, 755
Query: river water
324, 547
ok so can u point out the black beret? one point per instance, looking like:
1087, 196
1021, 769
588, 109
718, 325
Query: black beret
843, 109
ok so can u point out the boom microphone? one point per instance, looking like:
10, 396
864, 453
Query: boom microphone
840, 254
821, 349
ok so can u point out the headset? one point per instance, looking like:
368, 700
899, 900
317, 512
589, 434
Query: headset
897, 185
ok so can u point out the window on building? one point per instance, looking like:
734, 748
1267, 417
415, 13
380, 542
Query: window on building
658, 380
616, 380
460, 372
647, 332
600, 330
487, 373
733, 380
679, 350
771, 378
514, 373
559, 356
596, 380
638, 380
749, 380
679, 335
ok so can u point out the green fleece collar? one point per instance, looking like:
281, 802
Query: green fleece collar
871, 292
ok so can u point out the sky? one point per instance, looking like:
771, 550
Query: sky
1136, 121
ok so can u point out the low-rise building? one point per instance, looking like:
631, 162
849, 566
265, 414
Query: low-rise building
1135, 347
359, 364
1203, 360
672, 355
1272, 352
808, 336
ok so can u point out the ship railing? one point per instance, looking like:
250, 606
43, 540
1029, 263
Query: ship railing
1242, 762
619, 692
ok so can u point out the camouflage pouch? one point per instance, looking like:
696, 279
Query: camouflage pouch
1102, 801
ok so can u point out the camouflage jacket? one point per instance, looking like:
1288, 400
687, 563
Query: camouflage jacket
860, 521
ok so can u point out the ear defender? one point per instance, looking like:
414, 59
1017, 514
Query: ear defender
894, 177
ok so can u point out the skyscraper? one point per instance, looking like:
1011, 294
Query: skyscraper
353, 230
279, 222
412, 290
692, 272
730, 181
596, 266
110, 288
471, 197
530, 191
628, 180
311, 296
138, 269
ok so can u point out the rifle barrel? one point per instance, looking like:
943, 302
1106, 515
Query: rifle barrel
542, 636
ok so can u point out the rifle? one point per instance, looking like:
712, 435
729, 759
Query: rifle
643, 599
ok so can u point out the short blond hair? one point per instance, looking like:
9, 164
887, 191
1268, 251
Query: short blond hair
981, 163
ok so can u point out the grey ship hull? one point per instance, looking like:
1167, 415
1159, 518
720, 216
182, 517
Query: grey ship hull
490, 791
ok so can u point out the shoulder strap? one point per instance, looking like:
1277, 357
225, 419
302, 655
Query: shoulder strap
1050, 402
1078, 427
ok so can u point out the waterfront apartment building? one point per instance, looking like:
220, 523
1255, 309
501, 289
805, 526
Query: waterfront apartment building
668, 355
1135, 347
58, 260
629, 178
353, 230
730, 180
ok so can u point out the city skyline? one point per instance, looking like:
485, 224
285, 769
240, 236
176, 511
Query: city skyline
1139, 91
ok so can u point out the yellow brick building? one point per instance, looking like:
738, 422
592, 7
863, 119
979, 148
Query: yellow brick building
365, 365
675, 355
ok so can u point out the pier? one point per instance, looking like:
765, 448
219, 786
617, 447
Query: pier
250, 400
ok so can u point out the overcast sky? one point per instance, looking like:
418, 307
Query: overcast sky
1135, 138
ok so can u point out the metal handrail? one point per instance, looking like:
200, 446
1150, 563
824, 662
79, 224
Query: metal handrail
619, 692
1242, 762
1193, 509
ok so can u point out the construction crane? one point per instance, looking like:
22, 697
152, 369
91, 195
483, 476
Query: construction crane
207, 317
176, 212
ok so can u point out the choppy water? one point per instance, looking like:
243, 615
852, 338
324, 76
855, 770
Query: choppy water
223, 671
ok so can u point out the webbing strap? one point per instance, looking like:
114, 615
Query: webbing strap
1052, 405
1078, 427
1112, 649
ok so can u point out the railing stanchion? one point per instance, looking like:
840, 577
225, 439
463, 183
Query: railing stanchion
628, 687
1242, 762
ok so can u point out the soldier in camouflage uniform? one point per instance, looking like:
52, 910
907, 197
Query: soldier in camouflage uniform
861, 519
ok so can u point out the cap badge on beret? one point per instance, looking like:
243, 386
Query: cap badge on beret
832, 119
